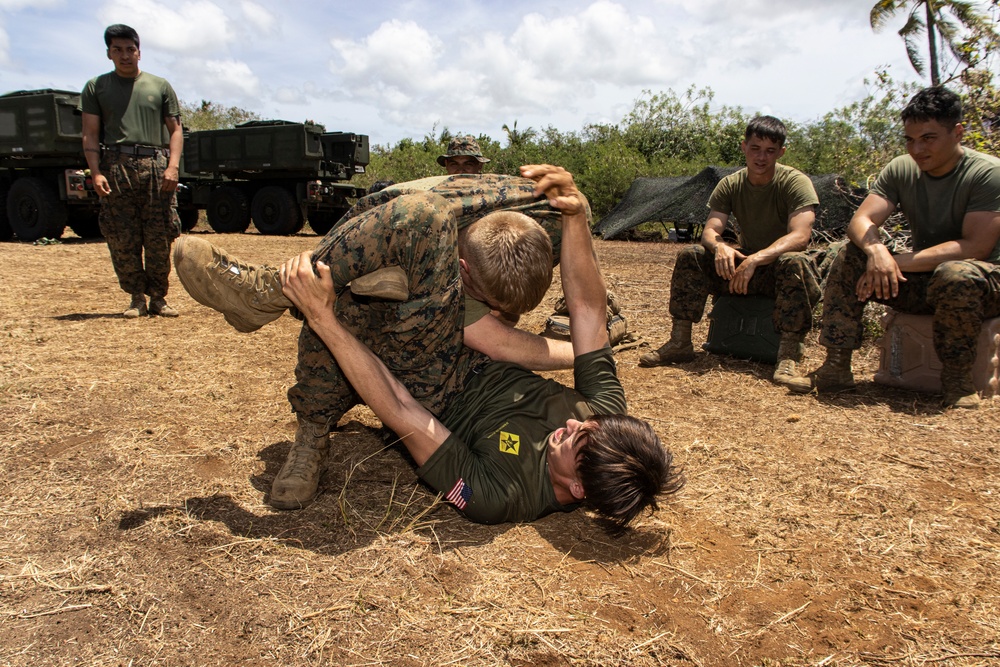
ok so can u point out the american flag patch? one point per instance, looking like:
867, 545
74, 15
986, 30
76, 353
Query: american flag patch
460, 494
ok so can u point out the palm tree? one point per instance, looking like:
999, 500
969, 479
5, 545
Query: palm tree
940, 20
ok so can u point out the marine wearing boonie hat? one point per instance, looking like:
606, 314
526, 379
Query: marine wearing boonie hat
463, 145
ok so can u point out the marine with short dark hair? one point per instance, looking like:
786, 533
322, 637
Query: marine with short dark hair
950, 195
132, 140
775, 208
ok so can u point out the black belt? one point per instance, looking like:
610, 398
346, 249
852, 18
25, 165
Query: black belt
137, 150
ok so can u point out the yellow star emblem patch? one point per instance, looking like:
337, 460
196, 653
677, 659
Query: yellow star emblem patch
510, 443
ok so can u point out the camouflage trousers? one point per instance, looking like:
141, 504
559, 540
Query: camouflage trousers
469, 197
138, 219
960, 295
420, 340
794, 281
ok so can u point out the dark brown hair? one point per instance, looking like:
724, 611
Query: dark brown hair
624, 468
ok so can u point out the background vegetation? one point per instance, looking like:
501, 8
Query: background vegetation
678, 134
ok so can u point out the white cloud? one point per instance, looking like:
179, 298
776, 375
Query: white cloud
4, 47
217, 79
15, 5
415, 77
196, 26
259, 18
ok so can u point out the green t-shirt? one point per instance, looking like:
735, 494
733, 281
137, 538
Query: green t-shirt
936, 206
474, 311
493, 467
131, 110
762, 211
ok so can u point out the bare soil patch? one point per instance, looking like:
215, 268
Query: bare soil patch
862, 529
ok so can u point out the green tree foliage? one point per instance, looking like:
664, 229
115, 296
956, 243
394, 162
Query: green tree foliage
212, 116
669, 129
941, 21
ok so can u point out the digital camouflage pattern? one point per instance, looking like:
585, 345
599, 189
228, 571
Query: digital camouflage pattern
794, 281
138, 219
420, 340
471, 196
463, 145
413, 225
960, 295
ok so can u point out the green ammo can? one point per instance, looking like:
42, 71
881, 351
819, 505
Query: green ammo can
741, 326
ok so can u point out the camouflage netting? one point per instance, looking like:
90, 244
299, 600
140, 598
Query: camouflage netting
682, 202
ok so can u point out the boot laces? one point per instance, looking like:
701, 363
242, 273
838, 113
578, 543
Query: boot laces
261, 280
303, 461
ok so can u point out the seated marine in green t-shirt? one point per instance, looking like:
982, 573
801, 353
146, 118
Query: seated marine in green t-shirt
950, 196
775, 208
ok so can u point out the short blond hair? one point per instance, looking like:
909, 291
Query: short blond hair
509, 256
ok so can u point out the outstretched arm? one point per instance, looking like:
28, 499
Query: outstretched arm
582, 282
505, 343
391, 402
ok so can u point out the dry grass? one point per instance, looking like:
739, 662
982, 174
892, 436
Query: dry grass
862, 529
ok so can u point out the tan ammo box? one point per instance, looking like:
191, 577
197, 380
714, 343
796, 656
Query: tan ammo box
908, 360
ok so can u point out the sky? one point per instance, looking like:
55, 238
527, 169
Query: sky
407, 68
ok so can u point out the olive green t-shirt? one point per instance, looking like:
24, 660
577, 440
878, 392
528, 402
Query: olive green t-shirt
474, 311
762, 211
493, 467
131, 110
935, 206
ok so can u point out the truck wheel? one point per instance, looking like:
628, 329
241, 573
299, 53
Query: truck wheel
6, 233
189, 218
85, 223
276, 212
34, 210
323, 221
228, 212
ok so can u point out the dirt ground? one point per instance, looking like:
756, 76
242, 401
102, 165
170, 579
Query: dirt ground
862, 529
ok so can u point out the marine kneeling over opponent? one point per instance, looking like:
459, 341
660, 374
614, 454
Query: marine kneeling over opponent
499, 441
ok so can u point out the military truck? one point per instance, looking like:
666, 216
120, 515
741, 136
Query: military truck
44, 183
275, 173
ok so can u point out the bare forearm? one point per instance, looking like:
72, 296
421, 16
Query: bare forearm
176, 146
794, 242
582, 282
503, 343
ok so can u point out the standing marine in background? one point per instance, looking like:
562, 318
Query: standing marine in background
132, 139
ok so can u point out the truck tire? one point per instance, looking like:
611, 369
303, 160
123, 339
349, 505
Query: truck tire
189, 218
323, 221
275, 211
85, 222
6, 233
34, 210
228, 212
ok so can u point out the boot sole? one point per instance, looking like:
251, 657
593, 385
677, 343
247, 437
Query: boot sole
290, 505
666, 362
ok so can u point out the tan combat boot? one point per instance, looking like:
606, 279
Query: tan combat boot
159, 306
679, 348
390, 283
248, 296
958, 389
297, 481
791, 349
833, 376
136, 308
